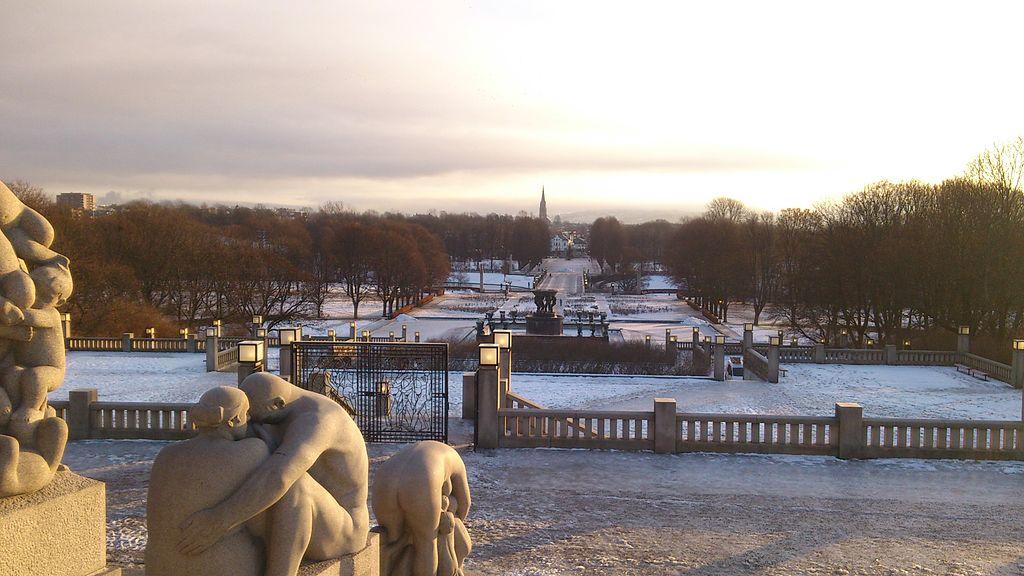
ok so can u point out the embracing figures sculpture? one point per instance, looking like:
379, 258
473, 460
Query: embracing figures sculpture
34, 281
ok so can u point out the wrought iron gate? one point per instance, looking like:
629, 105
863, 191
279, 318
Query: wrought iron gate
395, 391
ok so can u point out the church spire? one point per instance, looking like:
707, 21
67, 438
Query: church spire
543, 205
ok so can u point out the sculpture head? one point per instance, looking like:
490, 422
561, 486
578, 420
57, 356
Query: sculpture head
222, 410
268, 395
53, 283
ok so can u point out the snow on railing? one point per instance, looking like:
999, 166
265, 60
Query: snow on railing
756, 363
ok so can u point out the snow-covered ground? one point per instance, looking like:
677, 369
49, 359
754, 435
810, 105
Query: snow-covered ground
809, 389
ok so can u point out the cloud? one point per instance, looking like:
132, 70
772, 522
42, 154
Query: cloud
397, 103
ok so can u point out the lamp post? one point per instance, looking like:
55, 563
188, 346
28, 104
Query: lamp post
212, 347
487, 396
963, 339
251, 356
257, 322
719, 358
65, 324
503, 340
1017, 369
773, 358
150, 333
332, 335
748, 335
352, 331
416, 336
286, 338
217, 325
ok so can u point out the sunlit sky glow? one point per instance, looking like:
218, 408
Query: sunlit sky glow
473, 106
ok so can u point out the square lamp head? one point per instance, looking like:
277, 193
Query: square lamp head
488, 355
1018, 344
964, 331
719, 339
250, 351
331, 333
257, 319
211, 331
216, 322
66, 317
289, 335
748, 327
261, 332
183, 332
503, 339
774, 341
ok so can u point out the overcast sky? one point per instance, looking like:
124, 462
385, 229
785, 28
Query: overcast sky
474, 106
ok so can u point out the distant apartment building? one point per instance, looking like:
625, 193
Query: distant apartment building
77, 201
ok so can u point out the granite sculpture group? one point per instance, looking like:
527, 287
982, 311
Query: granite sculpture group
277, 476
34, 281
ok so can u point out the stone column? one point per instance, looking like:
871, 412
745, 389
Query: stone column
212, 346
487, 425
352, 331
748, 336
285, 362
79, 415
190, 343
468, 395
850, 419
773, 362
963, 340
664, 425
891, 356
819, 353
481, 270
416, 336
696, 337
405, 333
126, 341
719, 360
668, 337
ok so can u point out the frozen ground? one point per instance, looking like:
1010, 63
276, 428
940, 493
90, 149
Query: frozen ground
810, 389
571, 512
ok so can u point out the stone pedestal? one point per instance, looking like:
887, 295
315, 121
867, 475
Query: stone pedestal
366, 562
544, 325
57, 531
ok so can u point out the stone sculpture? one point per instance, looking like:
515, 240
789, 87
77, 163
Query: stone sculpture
421, 500
34, 281
305, 497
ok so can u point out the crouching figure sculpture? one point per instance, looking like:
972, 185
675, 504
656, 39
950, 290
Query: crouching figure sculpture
257, 498
421, 500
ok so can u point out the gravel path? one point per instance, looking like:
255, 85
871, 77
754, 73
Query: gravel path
554, 512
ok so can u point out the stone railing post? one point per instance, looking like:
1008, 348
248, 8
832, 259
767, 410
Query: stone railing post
748, 336
718, 352
79, 417
850, 418
212, 347
773, 362
352, 331
405, 333
190, 343
668, 337
126, 341
416, 336
487, 426
819, 353
664, 425
468, 395
891, 357
65, 325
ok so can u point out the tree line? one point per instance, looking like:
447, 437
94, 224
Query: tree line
174, 265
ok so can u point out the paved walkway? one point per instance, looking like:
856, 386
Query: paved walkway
555, 512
